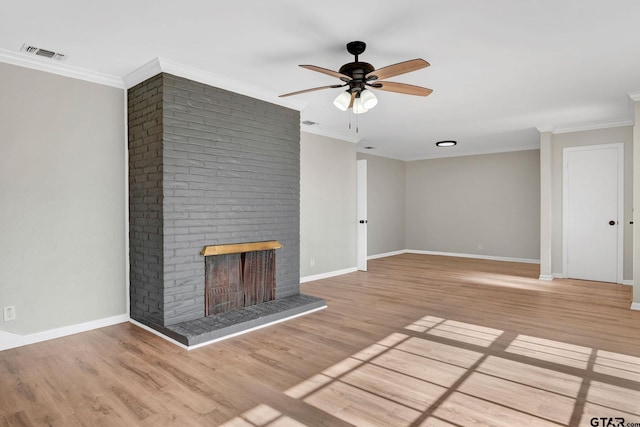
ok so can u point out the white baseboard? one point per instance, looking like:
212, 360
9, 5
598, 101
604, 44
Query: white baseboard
161, 335
562, 276
386, 254
414, 251
546, 277
9, 340
327, 275
635, 306
489, 257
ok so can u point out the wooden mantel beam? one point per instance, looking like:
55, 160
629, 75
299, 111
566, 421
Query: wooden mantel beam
240, 247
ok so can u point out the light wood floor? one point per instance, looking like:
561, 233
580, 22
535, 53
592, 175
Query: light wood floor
417, 340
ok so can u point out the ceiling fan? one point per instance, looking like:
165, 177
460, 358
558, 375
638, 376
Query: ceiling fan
358, 77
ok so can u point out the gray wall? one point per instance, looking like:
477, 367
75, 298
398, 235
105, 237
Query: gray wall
62, 193
385, 204
622, 134
327, 205
230, 174
487, 205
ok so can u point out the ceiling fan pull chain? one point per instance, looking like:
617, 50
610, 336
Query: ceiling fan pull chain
351, 115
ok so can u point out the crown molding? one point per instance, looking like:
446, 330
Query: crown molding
61, 69
162, 65
343, 136
148, 70
593, 126
475, 153
543, 129
635, 96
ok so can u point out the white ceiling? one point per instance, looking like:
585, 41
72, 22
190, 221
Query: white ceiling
500, 69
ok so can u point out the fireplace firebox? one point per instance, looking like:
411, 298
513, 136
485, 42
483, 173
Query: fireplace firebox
239, 275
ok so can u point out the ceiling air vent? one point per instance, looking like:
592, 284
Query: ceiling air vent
32, 50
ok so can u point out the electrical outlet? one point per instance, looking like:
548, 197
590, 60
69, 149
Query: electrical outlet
480, 246
9, 313
312, 262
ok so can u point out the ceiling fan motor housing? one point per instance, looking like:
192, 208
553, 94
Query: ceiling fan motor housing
357, 71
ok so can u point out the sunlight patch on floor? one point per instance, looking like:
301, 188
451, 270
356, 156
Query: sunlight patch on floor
464, 410
618, 365
533, 376
343, 367
519, 397
420, 367
432, 377
459, 331
263, 415
615, 398
396, 387
440, 352
309, 386
424, 324
506, 282
360, 407
551, 351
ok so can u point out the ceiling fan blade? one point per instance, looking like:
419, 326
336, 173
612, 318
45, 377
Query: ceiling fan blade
326, 71
311, 90
397, 69
353, 98
401, 88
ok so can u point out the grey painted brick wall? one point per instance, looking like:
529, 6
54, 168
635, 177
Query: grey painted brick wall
144, 111
230, 174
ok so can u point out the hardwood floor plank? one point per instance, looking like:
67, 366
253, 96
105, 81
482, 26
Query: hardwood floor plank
530, 400
466, 410
532, 376
360, 407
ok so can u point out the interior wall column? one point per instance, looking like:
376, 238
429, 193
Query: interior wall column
546, 139
635, 99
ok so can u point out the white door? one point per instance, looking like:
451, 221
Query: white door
361, 179
593, 212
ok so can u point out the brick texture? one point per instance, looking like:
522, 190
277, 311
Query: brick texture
213, 167
144, 111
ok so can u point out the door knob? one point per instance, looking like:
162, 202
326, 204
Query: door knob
612, 223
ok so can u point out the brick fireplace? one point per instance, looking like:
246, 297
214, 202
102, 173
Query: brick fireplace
208, 167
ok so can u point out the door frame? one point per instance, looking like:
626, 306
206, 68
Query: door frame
619, 146
361, 212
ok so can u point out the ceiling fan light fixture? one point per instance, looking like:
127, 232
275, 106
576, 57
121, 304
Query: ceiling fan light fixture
342, 101
369, 99
358, 106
